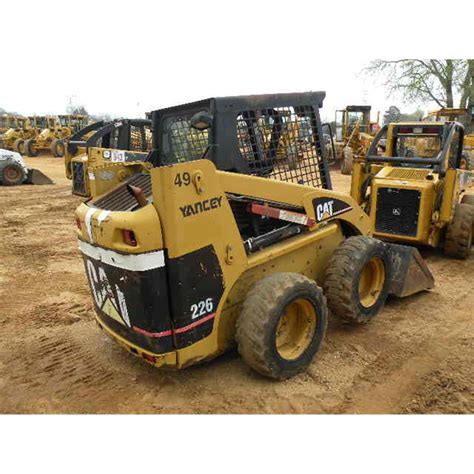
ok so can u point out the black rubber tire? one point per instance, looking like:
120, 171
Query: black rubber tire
57, 148
11, 173
347, 160
458, 239
17, 145
263, 309
30, 150
341, 282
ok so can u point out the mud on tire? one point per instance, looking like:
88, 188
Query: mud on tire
458, 239
281, 325
357, 280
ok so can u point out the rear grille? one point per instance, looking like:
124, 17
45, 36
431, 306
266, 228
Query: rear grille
397, 211
78, 178
119, 199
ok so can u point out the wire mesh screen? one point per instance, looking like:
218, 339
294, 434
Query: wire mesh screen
140, 138
282, 143
185, 142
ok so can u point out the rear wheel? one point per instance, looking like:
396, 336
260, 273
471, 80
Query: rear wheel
458, 240
11, 173
57, 148
357, 279
282, 325
347, 160
30, 149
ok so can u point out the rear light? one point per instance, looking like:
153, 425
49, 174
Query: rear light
129, 237
78, 223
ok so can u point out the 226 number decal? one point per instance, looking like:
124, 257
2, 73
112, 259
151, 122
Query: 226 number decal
202, 308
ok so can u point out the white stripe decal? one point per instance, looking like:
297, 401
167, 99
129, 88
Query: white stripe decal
134, 262
102, 216
88, 222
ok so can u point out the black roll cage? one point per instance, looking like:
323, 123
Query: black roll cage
104, 132
223, 149
439, 163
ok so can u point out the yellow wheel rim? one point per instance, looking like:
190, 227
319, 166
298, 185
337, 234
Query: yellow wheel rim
296, 329
371, 281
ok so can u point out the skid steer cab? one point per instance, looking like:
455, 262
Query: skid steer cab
415, 190
186, 261
104, 154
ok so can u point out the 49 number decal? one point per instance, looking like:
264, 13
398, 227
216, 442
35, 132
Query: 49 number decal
202, 308
182, 179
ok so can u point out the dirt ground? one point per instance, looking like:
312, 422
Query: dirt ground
416, 357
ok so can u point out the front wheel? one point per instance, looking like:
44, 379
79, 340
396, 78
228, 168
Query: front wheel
282, 325
357, 279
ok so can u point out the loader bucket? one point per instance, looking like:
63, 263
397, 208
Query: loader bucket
37, 177
410, 274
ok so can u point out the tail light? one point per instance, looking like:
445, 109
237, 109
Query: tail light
78, 223
129, 237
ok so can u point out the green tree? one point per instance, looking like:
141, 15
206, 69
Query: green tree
425, 80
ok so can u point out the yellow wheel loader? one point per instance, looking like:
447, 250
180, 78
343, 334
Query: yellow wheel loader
14, 138
6, 122
197, 255
54, 132
69, 125
354, 134
466, 118
101, 155
418, 200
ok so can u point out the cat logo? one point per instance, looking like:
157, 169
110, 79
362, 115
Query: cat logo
325, 208
113, 305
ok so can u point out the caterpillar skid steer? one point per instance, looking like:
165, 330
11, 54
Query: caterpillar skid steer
241, 248
101, 155
418, 200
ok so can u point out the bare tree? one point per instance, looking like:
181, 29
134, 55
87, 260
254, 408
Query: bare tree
426, 80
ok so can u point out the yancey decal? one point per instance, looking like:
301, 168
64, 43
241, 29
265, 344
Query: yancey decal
325, 208
201, 206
